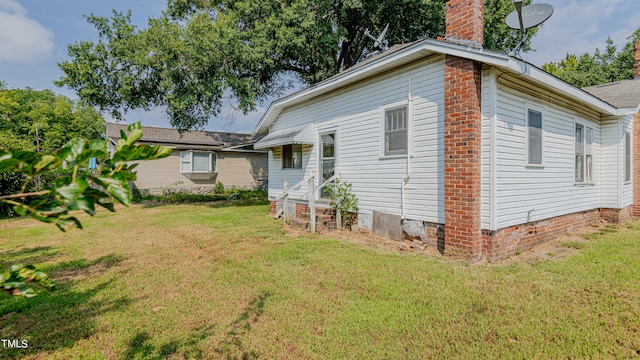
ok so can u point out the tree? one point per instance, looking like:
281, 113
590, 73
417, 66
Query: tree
40, 119
105, 186
199, 51
599, 67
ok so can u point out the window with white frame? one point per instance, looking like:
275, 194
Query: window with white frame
198, 162
395, 131
292, 156
583, 154
627, 156
534, 137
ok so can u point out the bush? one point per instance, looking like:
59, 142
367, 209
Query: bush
218, 188
185, 198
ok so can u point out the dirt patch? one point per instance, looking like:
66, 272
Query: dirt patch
552, 250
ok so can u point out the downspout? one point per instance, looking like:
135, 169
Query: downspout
405, 179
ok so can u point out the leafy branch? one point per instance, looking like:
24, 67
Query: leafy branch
105, 186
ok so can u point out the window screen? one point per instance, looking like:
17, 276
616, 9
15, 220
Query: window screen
534, 128
395, 131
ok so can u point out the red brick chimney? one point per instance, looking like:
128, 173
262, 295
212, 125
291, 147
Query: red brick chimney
636, 65
462, 120
465, 22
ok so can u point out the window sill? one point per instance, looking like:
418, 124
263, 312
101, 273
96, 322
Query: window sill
534, 166
200, 175
390, 157
583, 184
289, 169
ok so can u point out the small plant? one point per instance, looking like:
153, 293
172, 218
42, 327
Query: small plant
518, 252
343, 201
218, 188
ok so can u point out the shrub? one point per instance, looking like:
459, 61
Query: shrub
343, 200
218, 188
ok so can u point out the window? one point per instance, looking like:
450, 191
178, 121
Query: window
292, 156
583, 154
395, 131
627, 156
198, 162
328, 162
534, 137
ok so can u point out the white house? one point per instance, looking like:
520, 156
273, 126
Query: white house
482, 152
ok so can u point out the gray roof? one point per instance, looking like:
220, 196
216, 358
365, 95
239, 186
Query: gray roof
621, 94
158, 135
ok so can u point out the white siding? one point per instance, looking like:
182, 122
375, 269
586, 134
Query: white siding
610, 166
535, 193
615, 192
627, 187
355, 114
488, 113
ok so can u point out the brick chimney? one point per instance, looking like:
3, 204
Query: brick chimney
462, 135
465, 22
636, 65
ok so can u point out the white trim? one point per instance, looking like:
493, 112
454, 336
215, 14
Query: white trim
213, 168
624, 156
493, 151
620, 161
301, 157
425, 48
318, 179
383, 110
540, 109
590, 126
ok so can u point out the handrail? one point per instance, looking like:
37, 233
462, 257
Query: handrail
325, 183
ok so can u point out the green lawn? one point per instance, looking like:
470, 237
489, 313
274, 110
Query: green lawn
225, 281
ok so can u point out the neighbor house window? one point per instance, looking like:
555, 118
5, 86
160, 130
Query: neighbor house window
395, 131
627, 156
198, 162
534, 137
583, 153
292, 156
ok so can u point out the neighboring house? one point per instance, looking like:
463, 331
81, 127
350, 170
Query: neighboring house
485, 154
199, 160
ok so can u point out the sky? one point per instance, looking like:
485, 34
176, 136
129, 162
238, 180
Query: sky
34, 35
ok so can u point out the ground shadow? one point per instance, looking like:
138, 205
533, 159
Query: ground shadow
139, 347
34, 255
60, 318
232, 346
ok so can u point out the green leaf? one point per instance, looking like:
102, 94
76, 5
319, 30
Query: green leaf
72, 191
67, 223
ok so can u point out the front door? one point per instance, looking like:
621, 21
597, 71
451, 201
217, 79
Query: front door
327, 162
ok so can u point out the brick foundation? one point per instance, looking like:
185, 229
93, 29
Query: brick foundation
506, 242
272, 207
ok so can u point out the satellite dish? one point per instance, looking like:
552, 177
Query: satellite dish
377, 41
532, 15
525, 18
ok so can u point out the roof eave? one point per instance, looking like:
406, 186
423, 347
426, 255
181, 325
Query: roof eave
426, 48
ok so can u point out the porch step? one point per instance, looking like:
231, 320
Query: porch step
324, 221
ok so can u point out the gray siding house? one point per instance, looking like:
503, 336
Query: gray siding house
199, 159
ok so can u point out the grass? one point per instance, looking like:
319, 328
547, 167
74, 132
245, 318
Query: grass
225, 281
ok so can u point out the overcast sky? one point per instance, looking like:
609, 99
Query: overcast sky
34, 35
